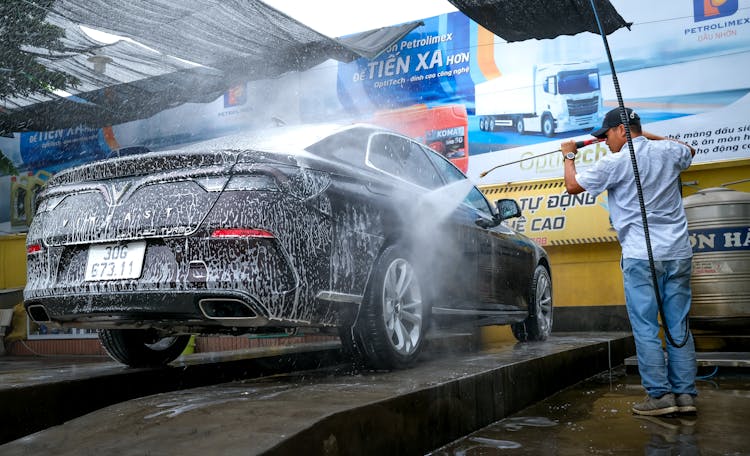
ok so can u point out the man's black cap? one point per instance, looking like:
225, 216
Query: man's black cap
612, 119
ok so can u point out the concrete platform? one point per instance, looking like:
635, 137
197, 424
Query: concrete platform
39, 392
330, 410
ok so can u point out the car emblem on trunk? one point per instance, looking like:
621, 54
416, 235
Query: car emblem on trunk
113, 194
115, 191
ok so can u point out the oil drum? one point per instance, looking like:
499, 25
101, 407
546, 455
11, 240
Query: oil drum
719, 227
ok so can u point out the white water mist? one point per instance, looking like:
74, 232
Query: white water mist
440, 203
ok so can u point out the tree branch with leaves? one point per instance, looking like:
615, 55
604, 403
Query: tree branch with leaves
25, 37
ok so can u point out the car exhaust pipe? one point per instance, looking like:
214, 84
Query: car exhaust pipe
218, 309
38, 313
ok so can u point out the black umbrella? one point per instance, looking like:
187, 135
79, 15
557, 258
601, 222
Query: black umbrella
517, 20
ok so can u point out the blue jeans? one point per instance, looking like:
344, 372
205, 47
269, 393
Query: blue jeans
677, 373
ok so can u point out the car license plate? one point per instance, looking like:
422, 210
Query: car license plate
115, 261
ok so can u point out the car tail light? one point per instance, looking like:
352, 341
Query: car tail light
241, 233
33, 248
248, 182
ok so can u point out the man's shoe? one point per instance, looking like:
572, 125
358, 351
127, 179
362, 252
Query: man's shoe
656, 406
685, 403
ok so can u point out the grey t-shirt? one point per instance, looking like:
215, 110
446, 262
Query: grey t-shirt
659, 166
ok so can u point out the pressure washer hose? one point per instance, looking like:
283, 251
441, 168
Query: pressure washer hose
636, 175
579, 144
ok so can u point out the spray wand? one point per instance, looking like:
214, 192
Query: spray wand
579, 144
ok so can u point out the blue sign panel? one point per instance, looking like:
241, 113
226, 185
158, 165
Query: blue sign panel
727, 239
431, 65
66, 147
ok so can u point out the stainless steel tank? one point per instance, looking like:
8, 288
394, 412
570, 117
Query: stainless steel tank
719, 226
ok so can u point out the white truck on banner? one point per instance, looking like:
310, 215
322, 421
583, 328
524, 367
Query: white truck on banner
552, 98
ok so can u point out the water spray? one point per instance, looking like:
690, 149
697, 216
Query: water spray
579, 144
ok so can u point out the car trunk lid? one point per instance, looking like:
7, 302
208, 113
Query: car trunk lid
151, 195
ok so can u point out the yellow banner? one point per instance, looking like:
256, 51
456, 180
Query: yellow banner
551, 216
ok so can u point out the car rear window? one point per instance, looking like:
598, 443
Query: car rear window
348, 146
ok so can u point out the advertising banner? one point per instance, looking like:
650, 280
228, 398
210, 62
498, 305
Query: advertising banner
431, 64
682, 67
551, 216
678, 67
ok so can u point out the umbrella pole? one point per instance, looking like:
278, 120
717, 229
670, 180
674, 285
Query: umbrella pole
625, 121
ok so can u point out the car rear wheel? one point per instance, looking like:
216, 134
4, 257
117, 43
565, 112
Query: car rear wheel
390, 330
142, 348
538, 325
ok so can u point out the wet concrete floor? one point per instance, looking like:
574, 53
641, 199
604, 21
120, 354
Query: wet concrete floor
40, 392
327, 411
594, 417
486, 402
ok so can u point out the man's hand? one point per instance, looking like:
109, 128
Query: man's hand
653, 137
568, 146
569, 166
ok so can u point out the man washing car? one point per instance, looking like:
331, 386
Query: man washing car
670, 384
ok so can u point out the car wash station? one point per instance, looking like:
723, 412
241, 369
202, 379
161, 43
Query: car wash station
239, 228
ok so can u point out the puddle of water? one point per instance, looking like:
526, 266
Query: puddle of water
595, 417
499, 444
487, 444
515, 424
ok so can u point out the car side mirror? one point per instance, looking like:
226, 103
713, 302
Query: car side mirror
507, 208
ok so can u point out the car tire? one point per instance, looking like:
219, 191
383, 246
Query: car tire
390, 330
142, 348
538, 325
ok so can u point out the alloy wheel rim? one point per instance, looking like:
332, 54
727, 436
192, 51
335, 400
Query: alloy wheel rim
402, 307
544, 303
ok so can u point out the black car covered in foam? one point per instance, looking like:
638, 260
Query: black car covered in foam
355, 231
